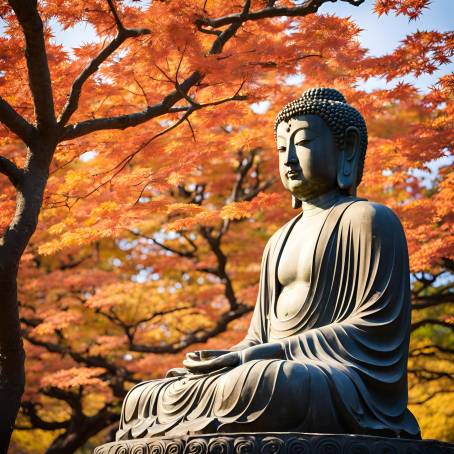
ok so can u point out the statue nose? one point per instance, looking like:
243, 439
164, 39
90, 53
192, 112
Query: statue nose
292, 159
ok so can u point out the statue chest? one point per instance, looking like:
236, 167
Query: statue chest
295, 265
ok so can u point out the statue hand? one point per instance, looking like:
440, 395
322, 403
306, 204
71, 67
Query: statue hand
271, 350
197, 366
203, 355
176, 372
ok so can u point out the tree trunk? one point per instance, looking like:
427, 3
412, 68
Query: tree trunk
79, 433
12, 376
29, 198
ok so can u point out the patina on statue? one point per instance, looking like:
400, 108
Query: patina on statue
327, 347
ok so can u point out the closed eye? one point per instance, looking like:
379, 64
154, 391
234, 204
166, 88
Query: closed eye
303, 142
281, 149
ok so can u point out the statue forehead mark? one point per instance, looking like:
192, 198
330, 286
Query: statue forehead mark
296, 122
293, 132
293, 125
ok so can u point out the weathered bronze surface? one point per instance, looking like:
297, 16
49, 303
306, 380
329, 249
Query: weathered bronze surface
327, 347
275, 443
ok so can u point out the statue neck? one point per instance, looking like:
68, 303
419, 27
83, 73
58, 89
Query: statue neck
321, 203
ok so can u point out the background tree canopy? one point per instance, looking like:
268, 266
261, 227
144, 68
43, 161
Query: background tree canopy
145, 168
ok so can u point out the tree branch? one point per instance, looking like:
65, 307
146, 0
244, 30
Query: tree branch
130, 329
197, 337
430, 396
82, 428
89, 360
221, 270
230, 31
427, 350
114, 12
190, 242
429, 375
37, 62
134, 119
239, 193
162, 108
71, 398
245, 164
307, 7
93, 66
432, 300
30, 411
448, 263
10, 169
431, 321
248, 196
186, 254
15, 122
125, 161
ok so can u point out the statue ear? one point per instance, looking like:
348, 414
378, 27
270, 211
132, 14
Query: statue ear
296, 203
347, 168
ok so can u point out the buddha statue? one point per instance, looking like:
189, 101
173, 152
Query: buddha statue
327, 346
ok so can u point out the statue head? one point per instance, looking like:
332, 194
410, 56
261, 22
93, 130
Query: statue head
322, 144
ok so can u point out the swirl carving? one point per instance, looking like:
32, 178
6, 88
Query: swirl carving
196, 446
384, 447
357, 447
139, 448
174, 447
220, 445
272, 445
327, 445
119, 449
244, 445
156, 447
298, 446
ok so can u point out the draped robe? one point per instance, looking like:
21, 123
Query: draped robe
344, 368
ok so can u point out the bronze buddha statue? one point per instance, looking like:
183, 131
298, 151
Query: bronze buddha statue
327, 346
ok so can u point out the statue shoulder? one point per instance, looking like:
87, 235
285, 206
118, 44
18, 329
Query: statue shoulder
371, 215
274, 238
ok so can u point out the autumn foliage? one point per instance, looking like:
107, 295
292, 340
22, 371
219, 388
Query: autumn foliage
163, 190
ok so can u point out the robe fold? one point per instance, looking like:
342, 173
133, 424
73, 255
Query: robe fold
344, 368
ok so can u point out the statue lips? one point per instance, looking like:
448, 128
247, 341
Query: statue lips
294, 174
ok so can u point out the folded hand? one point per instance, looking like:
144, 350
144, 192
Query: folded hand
210, 360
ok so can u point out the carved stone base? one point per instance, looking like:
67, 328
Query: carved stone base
275, 443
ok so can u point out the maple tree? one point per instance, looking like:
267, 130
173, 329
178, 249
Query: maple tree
150, 237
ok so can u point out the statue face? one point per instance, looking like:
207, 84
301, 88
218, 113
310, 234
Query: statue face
308, 156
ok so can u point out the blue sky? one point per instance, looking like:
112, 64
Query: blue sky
382, 34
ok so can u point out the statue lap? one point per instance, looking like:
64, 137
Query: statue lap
250, 395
